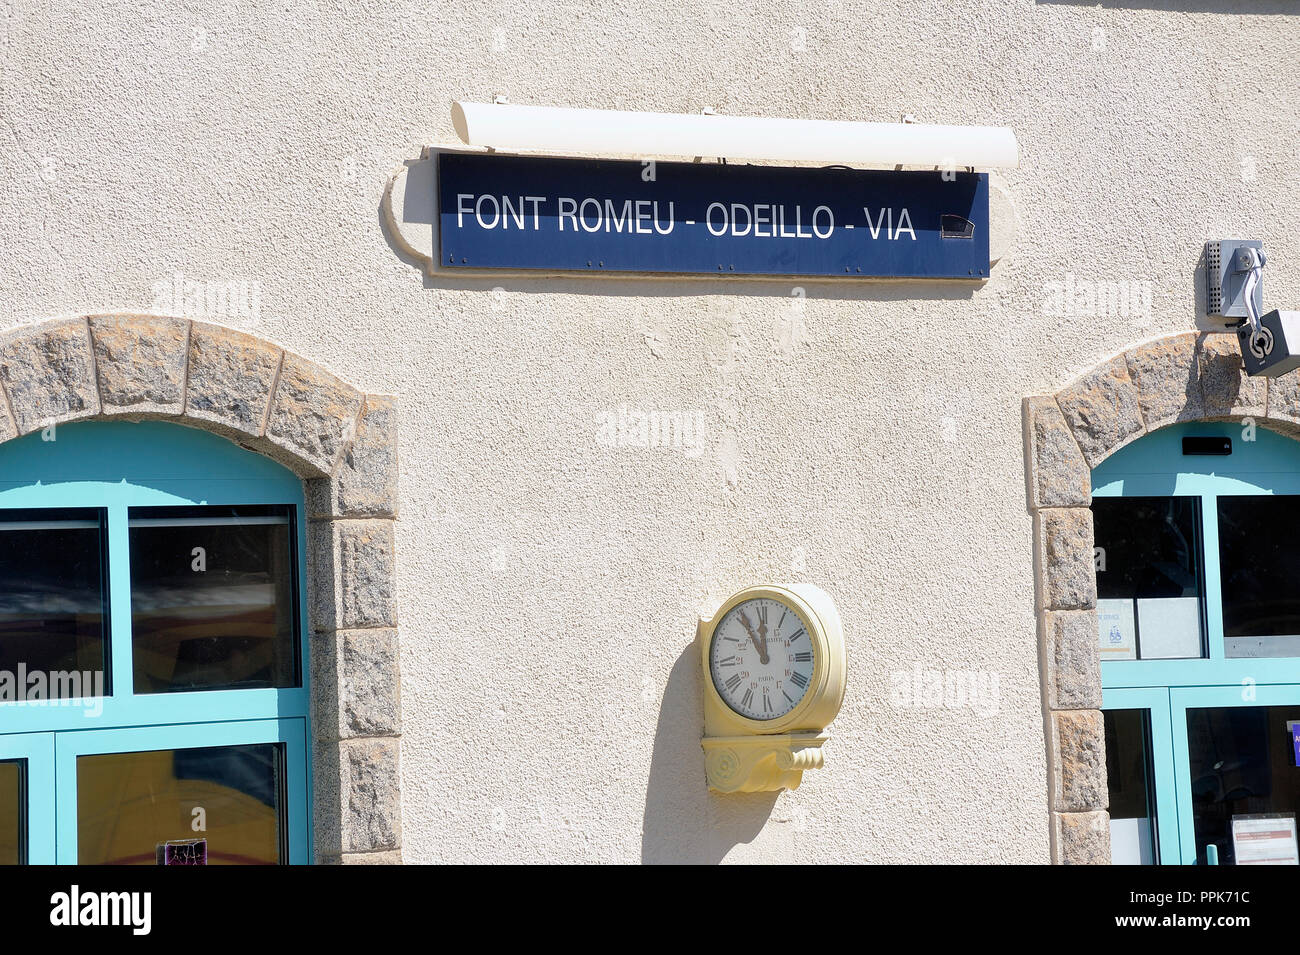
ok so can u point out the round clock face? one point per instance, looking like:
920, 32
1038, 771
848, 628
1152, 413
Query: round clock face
761, 658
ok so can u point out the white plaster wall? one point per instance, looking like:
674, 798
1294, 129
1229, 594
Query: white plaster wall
549, 584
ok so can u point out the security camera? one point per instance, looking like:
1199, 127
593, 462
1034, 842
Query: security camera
1274, 349
1270, 346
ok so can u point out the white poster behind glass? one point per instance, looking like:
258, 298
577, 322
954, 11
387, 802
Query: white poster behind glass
1130, 842
1170, 627
1115, 632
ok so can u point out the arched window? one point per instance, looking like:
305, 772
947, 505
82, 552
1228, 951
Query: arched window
153, 652
1197, 534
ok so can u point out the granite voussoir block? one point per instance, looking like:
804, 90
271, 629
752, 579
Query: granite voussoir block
47, 372
1167, 376
314, 415
1226, 390
141, 362
1102, 409
231, 375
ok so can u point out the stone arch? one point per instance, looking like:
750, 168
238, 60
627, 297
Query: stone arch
340, 441
1183, 377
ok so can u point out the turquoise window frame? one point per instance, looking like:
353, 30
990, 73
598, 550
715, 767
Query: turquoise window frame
291, 733
36, 752
1154, 466
1160, 760
117, 466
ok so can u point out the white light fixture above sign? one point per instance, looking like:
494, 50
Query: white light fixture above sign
618, 132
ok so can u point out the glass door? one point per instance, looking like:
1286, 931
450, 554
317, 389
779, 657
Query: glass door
1238, 781
1203, 775
126, 795
229, 792
1140, 770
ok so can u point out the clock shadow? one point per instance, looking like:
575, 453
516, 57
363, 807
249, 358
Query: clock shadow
684, 823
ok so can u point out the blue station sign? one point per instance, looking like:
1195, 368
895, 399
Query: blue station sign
513, 212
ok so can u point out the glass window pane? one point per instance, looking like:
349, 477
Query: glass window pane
1242, 763
213, 602
1128, 772
1149, 573
13, 813
53, 617
132, 806
1259, 556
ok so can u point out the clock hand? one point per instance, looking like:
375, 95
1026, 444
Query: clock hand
761, 647
762, 652
762, 632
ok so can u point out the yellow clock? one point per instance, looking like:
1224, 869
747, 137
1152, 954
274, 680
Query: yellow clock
774, 661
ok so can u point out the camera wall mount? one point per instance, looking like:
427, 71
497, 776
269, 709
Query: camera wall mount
1234, 293
1227, 267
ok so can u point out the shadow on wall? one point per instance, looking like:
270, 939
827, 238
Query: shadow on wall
684, 822
1239, 7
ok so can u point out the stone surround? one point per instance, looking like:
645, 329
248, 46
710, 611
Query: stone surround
1184, 377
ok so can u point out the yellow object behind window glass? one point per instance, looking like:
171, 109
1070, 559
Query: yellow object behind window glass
129, 803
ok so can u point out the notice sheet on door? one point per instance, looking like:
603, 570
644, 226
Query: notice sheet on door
1265, 839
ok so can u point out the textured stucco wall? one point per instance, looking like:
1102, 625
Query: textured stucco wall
550, 583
